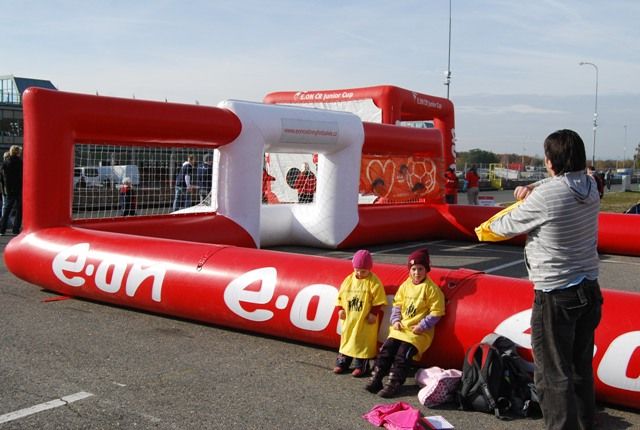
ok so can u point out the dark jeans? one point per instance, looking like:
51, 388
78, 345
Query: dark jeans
10, 202
344, 361
562, 337
182, 198
395, 357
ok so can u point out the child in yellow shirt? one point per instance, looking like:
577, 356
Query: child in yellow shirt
360, 298
417, 306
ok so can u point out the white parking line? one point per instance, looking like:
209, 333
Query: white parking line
62, 401
407, 246
466, 247
503, 266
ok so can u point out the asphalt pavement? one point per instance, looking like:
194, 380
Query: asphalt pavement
75, 364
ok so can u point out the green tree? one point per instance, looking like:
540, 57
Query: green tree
478, 156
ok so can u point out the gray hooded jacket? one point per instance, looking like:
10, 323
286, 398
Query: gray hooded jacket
560, 217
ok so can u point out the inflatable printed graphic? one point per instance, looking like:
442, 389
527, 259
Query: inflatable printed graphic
400, 179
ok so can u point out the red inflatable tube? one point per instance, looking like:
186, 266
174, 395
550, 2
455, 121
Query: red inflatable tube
396, 223
196, 227
390, 139
293, 296
617, 233
65, 119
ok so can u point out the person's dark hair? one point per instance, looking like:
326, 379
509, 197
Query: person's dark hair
419, 186
565, 150
376, 182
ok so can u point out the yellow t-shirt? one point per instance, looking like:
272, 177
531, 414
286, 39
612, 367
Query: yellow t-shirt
416, 302
357, 296
484, 232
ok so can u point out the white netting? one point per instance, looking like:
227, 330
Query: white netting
289, 178
111, 180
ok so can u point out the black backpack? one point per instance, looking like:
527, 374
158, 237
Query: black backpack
518, 384
483, 385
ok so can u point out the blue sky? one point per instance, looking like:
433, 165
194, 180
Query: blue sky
515, 71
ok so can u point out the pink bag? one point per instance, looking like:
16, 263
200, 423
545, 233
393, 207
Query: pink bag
438, 385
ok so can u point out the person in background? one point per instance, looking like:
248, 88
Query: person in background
417, 307
560, 216
305, 184
266, 187
184, 184
11, 172
2, 187
473, 185
360, 300
451, 184
419, 191
127, 198
378, 189
598, 178
608, 177
204, 173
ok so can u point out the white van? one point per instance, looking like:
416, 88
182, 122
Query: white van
84, 177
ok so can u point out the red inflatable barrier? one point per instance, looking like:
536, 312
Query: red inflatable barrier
293, 296
163, 264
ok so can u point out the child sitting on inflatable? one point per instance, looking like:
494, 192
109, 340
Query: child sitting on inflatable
417, 306
360, 298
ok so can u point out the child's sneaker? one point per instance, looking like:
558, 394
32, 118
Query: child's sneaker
361, 367
357, 372
338, 370
342, 364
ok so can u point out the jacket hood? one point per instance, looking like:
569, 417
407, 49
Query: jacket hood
582, 186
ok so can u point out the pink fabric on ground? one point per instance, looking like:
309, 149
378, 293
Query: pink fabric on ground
394, 416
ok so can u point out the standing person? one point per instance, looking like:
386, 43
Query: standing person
11, 172
184, 184
2, 187
451, 185
473, 185
204, 174
591, 171
608, 177
305, 184
360, 300
266, 184
127, 198
417, 306
560, 216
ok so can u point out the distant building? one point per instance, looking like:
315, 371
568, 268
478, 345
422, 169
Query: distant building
11, 119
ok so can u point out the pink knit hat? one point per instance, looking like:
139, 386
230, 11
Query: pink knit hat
362, 260
420, 256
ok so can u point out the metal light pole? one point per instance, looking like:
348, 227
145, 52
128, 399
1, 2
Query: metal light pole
624, 153
447, 74
595, 114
